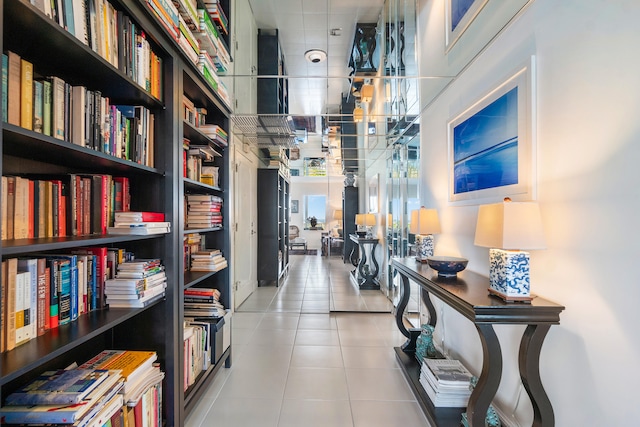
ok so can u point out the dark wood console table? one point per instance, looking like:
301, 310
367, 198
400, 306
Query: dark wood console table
366, 274
467, 294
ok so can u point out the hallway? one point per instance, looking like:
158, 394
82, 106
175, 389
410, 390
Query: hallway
295, 363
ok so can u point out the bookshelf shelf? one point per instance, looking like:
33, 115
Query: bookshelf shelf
25, 246
57, 342
32, 146
197, 186
192, 278
192, 394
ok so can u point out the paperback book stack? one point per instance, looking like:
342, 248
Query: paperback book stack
141, 392
204, 211
137, 284
216, 133
203, 303
208, 260
139, 223
77, 396
446, 381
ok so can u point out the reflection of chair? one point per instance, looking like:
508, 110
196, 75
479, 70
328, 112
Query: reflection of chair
294, 232
295, 241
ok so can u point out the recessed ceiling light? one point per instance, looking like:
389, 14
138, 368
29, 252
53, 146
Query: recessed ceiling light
315, 55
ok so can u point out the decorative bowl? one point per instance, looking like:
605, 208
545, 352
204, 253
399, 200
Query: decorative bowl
447, 266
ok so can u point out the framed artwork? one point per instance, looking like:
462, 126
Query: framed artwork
458, 16
294, 206
373, 194
491, 144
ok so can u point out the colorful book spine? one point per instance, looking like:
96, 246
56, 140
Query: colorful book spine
5, 86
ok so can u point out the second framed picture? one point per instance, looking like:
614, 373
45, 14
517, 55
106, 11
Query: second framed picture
491, 144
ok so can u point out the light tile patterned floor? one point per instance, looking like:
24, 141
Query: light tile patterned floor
296, 364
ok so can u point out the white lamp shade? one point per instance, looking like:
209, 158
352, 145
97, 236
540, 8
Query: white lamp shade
369, 220
424, 221
359, 219
510, 225
366, 93
358, 114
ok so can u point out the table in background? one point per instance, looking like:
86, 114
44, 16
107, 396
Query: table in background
365, 276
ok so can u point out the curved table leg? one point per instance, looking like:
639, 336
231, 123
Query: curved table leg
433, 317
412, 334
489, 379
376, 268
529, 362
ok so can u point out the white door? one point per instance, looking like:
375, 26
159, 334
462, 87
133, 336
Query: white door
245, 59
245, 239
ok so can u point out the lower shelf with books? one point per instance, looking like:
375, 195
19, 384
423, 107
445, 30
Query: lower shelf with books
59, 341
193, 393
441, 417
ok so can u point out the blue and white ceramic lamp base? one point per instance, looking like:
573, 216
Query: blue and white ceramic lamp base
509, 274
424, 247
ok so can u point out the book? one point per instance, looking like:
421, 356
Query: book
22, 303
58, 387
46, 106
26, 94
138, 230
9, 305
30, 265
57, 108
13, 88
139, 216
5, 87
133, 364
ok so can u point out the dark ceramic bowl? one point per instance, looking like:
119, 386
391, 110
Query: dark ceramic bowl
447, 266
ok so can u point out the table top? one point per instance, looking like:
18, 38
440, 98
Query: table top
358, 239
467, 293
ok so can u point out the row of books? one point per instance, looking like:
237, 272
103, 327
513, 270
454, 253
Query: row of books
196, 116
203, 211
44, 291
76, 114
446, 381
116, 387
139, 223
198, 36
198, 163
111, 34
192, 243
203, 317
69, 205
137, 283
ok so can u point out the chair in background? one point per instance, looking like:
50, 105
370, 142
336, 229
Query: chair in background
295, 241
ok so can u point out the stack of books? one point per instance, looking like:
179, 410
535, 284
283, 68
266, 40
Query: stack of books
446, 381
137, 283
139, 223
203, 303
216, 133
204, 211
208, 260
79, 396
139, 371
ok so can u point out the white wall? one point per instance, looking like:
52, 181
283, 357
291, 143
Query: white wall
588, 87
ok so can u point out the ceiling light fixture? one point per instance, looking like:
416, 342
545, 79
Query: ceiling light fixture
315, 56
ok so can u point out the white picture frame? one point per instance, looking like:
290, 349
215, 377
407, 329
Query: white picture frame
459, 14
486, 138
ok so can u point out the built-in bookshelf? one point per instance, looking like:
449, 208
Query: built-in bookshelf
206, 212
99, 143
273, 226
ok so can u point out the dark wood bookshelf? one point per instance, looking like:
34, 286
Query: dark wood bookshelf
56, 52
193, 393
192, 278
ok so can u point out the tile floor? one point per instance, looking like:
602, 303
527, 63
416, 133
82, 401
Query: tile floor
295, 363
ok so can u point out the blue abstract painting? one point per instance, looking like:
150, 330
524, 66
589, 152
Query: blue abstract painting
458, 9
485, 146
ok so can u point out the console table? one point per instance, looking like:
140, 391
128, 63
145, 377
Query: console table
365, 275
467, 294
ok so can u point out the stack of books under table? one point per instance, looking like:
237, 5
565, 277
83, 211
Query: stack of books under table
446, 381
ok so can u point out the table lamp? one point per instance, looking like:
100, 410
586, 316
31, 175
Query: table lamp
507, 228
424, 224
337, 215
364, 223
360, 225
